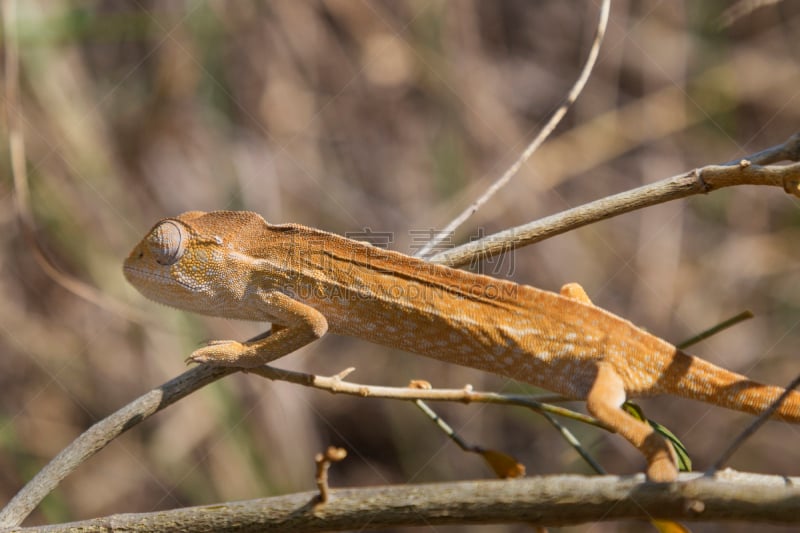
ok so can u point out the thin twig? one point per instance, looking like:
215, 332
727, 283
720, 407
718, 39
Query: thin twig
789, 150
504, 465
335, 385
573, 441
545, 132
710, 332
323, 462
753, 427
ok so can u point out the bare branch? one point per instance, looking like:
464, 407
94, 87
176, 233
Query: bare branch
96, 437
699, 181
544, 501
323, 462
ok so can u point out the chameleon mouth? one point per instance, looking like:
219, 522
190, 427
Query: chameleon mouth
131, 273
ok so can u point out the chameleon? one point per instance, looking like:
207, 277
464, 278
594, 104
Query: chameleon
307, 282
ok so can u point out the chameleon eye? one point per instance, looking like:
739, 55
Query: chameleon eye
168, 242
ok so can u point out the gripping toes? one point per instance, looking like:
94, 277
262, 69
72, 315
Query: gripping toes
661, 468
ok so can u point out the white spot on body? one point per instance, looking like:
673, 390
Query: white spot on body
566, 350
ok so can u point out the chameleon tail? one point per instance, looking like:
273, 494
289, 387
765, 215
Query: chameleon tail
698, 379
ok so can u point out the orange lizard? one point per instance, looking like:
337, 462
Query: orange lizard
307, 282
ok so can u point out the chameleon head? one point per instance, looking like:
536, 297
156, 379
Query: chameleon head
176, 265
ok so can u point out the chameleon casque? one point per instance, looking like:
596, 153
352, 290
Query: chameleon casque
307, 282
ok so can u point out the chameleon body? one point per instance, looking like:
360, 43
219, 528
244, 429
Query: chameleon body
307, 282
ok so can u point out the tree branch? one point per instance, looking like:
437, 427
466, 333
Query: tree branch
756, 169
96, 437
544, 501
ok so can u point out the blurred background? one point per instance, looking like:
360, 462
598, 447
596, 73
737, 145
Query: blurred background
390, 116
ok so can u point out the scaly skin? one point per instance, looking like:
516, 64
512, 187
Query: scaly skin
307, 282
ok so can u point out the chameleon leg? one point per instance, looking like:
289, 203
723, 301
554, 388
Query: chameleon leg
576, 292
604, 400
300, 325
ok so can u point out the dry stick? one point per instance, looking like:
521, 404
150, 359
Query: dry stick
537, 404
699, 181
96, 437
710, 332
336, 385
544, 501
504, 465
518, 470
548, 128
565, 433
323, 462
573, 441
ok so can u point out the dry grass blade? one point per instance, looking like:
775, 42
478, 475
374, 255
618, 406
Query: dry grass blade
544, 133
19, 173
